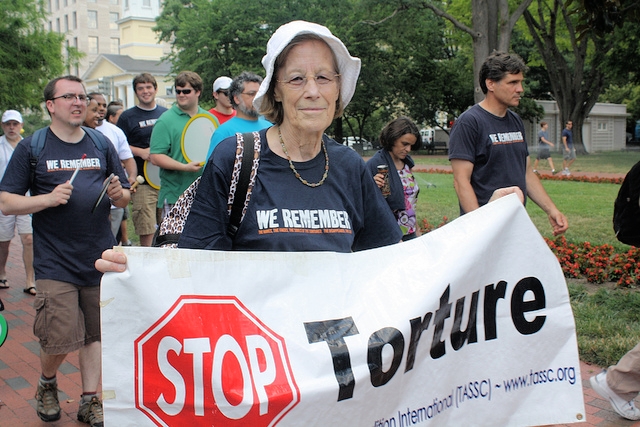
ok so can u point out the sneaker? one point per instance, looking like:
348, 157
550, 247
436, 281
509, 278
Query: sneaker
624, 408
553, 172
536, 172
47, 405
91, 412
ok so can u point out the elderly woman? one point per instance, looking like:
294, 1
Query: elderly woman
310, 193
397, 139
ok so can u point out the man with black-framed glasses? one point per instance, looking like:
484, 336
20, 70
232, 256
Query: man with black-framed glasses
176, 174
242, 90
223, 110
70, 230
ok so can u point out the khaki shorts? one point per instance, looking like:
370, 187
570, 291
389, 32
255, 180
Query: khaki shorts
544, 153
569, 155
9, 223
67, 316
143, 211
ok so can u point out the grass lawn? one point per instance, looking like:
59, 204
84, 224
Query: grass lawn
588, 207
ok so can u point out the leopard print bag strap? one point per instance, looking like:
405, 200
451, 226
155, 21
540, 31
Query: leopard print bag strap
243, 179
168, 233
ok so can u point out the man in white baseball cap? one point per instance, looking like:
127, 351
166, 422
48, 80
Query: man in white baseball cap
12, 127
223, 109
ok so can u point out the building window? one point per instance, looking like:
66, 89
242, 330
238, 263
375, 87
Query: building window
93, 45
126, 4
66, 3
602, 126
58, 24
113, 18
66, 23
169, 91
57, 4
92, 19
115, 46
74, 20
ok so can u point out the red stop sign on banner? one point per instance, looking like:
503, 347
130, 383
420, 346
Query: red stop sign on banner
209, 361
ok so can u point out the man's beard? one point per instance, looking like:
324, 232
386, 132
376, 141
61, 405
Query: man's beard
248, 111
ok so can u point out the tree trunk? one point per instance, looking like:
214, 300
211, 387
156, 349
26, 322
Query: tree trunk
576, 85
492, 28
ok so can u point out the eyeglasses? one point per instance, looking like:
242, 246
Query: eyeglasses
185, 91
251, 94
298, 82
70, 97
224, 92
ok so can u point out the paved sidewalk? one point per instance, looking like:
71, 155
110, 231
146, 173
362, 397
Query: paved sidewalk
20, 360
19, 366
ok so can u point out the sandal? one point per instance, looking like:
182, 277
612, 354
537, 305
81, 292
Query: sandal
3, 284
30, 290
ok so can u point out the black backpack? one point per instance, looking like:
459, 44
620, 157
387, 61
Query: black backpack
626, 210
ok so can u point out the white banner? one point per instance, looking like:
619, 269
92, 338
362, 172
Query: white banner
469, 325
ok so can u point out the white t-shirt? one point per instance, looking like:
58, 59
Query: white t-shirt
117, 138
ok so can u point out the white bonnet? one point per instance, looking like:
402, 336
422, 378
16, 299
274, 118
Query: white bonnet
348, 66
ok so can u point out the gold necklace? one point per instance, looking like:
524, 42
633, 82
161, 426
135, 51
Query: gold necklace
297, 174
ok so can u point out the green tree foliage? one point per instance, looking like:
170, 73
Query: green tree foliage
603, 16
492, 23
622, 68
29, 55
405, 65
628, 94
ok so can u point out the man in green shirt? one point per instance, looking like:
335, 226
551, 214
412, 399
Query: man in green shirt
176, 174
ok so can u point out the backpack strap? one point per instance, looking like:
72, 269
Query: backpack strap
37, 144
245, 184
98, 139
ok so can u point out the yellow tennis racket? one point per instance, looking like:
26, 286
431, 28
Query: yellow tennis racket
196, 137
152, 174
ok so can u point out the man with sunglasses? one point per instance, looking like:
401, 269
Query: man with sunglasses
70, 230
223, 109
241, 93
176, 174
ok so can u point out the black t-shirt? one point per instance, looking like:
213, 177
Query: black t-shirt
137, 124
67, 239
347, 213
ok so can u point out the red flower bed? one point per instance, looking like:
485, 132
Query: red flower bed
594, 179
598, 264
